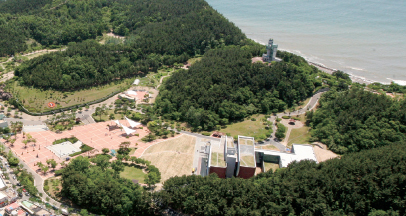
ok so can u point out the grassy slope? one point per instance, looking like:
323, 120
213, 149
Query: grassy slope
36, 100
246, 127
133, 173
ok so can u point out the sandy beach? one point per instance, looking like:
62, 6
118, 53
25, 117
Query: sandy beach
353, 78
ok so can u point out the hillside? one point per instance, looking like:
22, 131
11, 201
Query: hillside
225, 86
355, 120
157, 32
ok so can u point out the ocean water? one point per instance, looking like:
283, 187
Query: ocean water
365, 38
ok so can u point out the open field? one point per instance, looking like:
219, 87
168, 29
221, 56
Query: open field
247, 127
131, 172
36, 100
272, 166
299, 136
172, 157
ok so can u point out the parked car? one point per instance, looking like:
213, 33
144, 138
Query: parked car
18, 184
14, 177
24, 190
27, 194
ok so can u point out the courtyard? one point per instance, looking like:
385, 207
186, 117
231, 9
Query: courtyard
97, 136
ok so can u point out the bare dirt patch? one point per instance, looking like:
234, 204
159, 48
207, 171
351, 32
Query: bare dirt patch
323, 154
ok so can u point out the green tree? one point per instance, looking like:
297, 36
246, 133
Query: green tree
105, 150
102, 161
13, 161
117, 166
151, 179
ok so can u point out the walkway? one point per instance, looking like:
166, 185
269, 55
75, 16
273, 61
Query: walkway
38, 182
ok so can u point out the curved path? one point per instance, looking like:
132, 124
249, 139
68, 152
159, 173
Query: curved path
309, 106
38, 182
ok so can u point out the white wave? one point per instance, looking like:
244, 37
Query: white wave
400, 82
354, 68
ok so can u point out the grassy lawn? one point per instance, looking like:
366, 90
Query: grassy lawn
131, 173
299, 136
55, 186
269, 147
272, 166
247, 127
36, 100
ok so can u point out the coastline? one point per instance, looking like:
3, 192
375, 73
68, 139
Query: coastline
358, 79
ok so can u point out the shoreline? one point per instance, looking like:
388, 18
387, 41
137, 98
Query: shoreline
354, 78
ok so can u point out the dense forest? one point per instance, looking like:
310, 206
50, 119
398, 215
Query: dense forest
157, 33
158, 26
225, 86
370, 182
357, 119
101, 190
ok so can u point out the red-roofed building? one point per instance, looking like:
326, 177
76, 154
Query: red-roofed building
12, 207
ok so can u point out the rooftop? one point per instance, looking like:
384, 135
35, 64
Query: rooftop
246, 151
217, 153
299, 152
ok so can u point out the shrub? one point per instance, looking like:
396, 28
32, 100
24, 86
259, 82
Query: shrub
296, 118
278, 119
285, 117
46, 188
206, 133
141, 127
253, 119
84, 148
70, 139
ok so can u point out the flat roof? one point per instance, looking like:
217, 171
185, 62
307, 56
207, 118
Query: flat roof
2, 183
246, 151
63, 149
2, 195
301, 152
217, 153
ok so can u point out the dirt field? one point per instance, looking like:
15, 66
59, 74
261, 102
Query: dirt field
173, 157
323, 154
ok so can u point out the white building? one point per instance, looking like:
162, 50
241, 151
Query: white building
299, 152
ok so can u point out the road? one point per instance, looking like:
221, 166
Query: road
273, 140
38, 182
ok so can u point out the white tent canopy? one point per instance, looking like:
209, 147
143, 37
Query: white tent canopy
127, 130
117, 122
132, 123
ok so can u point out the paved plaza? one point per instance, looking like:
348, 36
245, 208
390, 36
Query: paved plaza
97, 135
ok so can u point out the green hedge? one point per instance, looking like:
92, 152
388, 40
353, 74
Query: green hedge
70, 139
84, 148
285, 117
206, 133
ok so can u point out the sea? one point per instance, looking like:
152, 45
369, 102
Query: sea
365, 38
